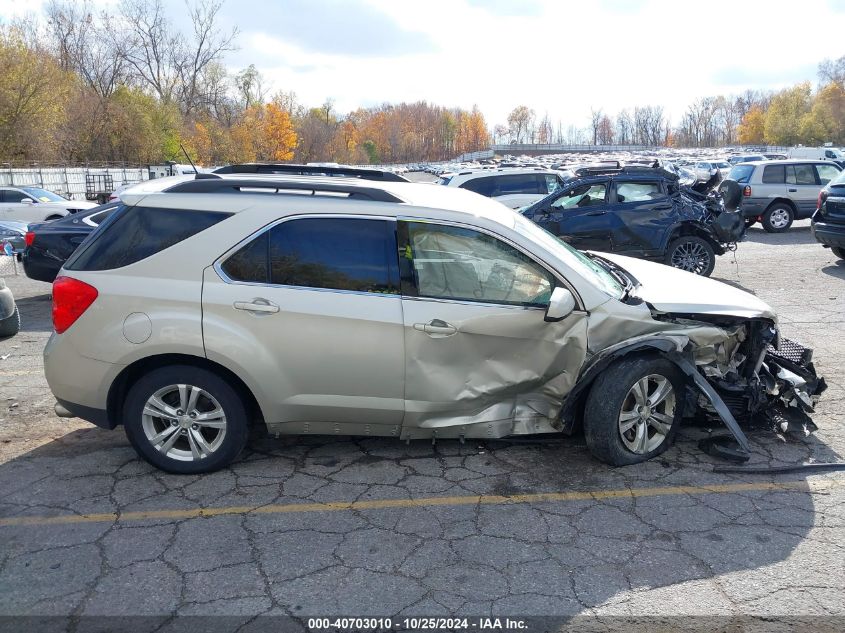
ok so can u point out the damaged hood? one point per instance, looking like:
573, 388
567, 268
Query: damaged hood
671, 290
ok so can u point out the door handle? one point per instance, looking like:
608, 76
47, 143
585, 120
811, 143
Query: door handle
436, 327
595, 213
792, 190
256, 305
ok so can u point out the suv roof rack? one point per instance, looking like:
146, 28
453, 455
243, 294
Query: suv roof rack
214, 183
364, 173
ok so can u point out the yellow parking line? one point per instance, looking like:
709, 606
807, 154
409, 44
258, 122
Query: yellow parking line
814, 486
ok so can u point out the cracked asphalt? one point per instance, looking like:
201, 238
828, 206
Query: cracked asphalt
336, 526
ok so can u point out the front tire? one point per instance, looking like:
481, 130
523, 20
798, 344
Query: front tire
634, 410
11, 325
692, 254
838, 251
185, 420
778, 218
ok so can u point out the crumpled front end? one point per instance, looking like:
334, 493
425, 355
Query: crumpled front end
760, 377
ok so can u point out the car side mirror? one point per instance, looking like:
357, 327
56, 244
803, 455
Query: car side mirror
561, 304
27, 201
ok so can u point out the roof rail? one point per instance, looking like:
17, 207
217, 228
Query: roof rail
311, 170
212, 183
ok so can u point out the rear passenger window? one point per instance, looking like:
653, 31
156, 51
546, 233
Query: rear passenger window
638, 191
800, 175
482, 186
135, 233
332, 253
774, 174
517, 183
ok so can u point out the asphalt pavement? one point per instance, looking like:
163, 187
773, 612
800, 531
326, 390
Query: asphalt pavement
93, 538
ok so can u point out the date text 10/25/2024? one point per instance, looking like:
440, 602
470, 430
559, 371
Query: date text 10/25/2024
416, 624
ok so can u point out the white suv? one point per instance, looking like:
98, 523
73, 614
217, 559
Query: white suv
332, 306
514, 188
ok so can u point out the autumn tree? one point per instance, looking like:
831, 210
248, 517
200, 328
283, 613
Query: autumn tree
751, 129
783, 117
33, 98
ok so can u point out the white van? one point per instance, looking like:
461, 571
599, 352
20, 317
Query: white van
817, 153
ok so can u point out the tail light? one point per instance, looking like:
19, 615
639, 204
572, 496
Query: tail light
29, 238
71, 298
747, 191
822, 198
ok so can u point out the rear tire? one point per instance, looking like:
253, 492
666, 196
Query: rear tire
614, 403
692, 254
185, 420
749, 222
11, 325
778, 218
838, 251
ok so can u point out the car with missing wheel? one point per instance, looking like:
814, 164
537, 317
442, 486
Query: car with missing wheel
308, 305
776, 193
639, 211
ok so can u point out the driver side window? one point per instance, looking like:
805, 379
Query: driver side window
450, 262
583, 196
11, 195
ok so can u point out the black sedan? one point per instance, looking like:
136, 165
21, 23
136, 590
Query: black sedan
49, 244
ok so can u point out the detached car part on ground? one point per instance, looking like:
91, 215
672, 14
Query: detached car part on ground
396, 310
641, 212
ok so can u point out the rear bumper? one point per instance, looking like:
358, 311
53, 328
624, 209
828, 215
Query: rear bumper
828, 233
40, 268
80, 384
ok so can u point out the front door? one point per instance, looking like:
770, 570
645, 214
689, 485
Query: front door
309, 313
480, 360
580, 217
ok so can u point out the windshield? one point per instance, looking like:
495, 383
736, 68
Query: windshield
42, 195
741, 173
575, 259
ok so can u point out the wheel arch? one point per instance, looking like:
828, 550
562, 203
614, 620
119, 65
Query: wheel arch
691, 228
133, 372
573, 407
787, 201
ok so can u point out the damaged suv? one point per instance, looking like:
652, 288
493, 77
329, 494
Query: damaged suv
641, 212
331, 306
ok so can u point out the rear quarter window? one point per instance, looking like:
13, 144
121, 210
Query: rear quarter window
774, 174
135, 233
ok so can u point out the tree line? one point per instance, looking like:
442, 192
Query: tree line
124, 84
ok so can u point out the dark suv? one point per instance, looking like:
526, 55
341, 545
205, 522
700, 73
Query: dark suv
642, 212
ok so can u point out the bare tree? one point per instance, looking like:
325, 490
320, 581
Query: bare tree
172, 66
521, 124
250, 86
595, 120
81, 41
832, 70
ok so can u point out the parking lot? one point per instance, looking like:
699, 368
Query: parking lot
332, 526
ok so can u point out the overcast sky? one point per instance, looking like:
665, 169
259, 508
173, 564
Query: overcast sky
563, 58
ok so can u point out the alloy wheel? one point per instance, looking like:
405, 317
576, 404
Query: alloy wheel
691, 256
184, 422
779, 218
647, 415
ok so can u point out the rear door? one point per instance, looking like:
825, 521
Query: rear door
310, 310
802, 187
479, 357
642, 212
